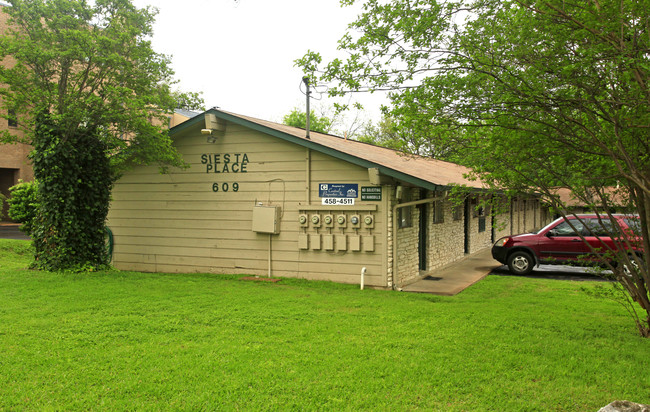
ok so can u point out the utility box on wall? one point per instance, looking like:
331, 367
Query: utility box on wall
266, 219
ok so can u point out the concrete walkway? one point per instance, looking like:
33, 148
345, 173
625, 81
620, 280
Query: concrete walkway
456, 277
11, 231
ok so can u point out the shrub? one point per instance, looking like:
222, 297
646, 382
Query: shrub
23, 205
74, 186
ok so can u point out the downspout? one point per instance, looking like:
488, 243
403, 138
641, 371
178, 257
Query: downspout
308, 176
270, 260
399, 206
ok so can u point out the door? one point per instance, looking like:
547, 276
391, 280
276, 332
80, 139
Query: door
562, 243
422, 237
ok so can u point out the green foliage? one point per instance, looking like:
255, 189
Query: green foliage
92, 66
72, 174
87, 73
298, 118
533, 95
189, 100
23, 205
412, 137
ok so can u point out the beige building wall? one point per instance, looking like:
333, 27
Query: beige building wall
196, 220
201, 219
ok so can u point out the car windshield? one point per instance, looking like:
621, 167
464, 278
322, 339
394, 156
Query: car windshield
547, 226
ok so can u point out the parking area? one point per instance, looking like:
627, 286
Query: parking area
557, 272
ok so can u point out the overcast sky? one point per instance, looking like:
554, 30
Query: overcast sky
241, 54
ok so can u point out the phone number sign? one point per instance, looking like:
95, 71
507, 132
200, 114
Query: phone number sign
338, 193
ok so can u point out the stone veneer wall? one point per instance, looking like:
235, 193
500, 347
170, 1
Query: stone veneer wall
479, 240
503, 225
446, 242
407, 244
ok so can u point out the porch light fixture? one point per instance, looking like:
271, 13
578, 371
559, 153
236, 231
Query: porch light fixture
211, 136
213, 127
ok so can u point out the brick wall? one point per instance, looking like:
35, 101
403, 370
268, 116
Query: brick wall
14, 164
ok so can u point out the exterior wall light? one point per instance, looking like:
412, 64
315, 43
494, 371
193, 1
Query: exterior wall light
213, 127
211, 136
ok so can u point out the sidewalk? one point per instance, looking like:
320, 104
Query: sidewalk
453, 279
11, 231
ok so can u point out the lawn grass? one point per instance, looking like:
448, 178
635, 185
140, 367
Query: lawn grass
138, 341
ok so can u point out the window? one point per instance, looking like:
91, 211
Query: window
404, 213
563, 229
599, 228
404, 217
634, 224
481, 219
12, 118
438, 212
458, 212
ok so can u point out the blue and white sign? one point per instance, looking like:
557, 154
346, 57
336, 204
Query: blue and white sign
338, 194
338, 190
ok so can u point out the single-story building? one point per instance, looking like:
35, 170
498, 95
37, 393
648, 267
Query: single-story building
265, 199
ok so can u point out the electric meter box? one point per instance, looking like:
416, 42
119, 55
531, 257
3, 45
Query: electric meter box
266, 219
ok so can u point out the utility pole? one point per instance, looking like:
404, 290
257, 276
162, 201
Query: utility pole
306, 81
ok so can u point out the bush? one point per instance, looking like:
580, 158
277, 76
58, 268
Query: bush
74, 187
2, 200
23, 205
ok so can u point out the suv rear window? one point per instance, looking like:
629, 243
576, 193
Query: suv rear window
634, 224
602, 227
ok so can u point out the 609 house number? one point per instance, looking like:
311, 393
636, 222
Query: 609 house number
225, 187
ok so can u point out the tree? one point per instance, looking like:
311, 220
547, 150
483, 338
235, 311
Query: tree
92, 96
420, 139
547, 94
298, 118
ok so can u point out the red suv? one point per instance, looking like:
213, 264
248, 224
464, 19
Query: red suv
559, 243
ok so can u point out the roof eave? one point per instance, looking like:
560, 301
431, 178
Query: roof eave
403, 177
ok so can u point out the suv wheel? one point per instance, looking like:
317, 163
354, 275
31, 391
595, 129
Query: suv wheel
627, 271
520, 263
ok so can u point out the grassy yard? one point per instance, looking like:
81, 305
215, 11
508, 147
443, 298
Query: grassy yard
127, 340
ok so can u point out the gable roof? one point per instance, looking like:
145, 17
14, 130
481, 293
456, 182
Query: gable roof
184, 112
416, 170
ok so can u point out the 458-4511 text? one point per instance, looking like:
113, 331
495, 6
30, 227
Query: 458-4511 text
225, 187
